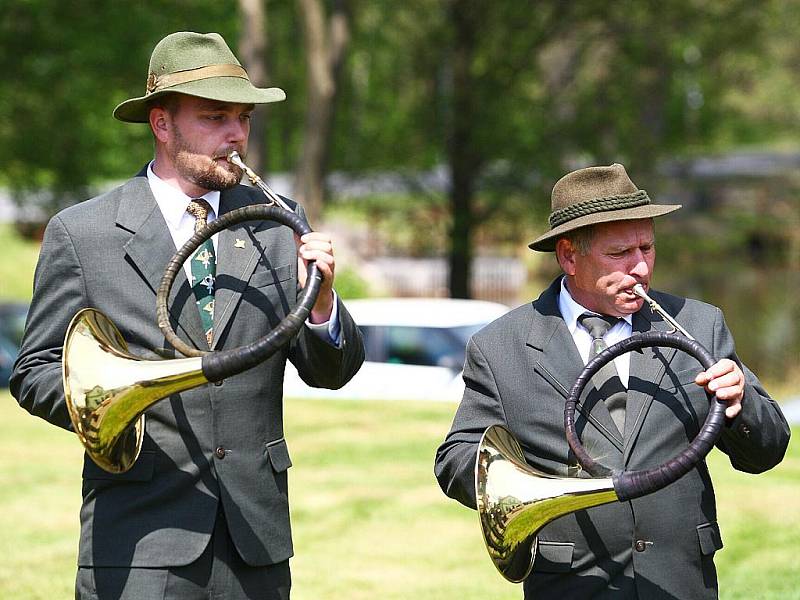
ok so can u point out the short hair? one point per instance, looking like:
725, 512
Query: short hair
169, 102
581, 239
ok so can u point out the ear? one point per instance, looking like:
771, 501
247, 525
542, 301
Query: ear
160, 123
565, 252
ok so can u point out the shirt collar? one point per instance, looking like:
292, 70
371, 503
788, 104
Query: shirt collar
571, 310
173, 202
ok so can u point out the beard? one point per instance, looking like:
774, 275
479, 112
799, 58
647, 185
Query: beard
202, 170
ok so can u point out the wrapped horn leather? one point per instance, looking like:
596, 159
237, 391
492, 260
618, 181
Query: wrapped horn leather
634, 484
225, 363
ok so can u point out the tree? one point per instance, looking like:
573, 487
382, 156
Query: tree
538, 88
253, 55
325, 41
65, 66
484, 69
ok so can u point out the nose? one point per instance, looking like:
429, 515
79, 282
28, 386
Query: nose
238, 131
640, 267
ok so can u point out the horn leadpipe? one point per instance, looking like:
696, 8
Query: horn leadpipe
638, 289
235, 159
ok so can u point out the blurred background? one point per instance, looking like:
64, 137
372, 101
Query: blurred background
425, 135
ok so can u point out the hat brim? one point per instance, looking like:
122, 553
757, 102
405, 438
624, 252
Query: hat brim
224, 89
547, 241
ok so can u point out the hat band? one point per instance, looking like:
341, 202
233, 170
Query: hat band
157, 83
596, 205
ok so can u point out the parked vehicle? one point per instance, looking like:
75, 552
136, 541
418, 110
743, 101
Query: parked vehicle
414, 349
12, 325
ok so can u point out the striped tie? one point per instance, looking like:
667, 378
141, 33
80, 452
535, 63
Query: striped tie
204, 268
606, 380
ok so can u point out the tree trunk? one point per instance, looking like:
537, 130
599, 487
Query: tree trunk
253, 54
463, 155
325, 45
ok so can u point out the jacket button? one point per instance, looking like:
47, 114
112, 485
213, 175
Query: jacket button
640, 546
744, 429
220, 452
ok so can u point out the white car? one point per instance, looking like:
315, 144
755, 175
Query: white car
414, 349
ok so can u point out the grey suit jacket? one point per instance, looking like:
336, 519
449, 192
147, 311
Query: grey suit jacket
109, 253
518, 373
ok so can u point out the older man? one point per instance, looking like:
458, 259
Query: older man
519, 370
204, 511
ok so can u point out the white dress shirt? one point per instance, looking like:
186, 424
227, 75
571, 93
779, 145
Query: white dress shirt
173, 203
622, 330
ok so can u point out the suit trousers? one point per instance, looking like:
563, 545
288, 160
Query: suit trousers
218, 574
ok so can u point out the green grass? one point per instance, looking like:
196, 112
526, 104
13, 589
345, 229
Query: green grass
19, 261
369, 520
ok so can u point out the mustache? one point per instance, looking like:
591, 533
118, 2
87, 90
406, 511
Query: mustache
224, 152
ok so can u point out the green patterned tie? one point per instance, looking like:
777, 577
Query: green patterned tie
204, 269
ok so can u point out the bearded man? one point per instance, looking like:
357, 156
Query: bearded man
204, 511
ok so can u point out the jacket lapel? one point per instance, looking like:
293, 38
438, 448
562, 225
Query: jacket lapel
560, 364
150, 248
238, 250
647, 368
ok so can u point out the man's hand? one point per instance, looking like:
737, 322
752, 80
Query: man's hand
726, 380
317, 246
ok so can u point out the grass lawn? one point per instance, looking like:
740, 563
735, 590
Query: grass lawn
19, 262
369, 520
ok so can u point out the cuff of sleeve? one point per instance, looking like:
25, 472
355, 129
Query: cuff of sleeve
330, 330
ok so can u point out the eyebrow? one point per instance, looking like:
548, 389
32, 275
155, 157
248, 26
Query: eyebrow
623, 247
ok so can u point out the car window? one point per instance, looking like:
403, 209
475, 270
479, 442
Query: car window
465, 332
8, 352
430, 346
12, 321
373, 341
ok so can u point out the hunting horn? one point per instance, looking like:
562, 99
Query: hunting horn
107, 389
515, 501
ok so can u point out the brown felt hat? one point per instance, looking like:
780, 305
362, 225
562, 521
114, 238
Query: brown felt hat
595, 195
196, 64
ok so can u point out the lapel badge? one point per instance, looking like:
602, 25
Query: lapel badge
239, 243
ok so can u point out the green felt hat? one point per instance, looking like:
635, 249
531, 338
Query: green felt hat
199, 65
595, 195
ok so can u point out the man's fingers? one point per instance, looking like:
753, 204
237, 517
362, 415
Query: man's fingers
318, 255
731, 379
316, 235
725, 380
318, 240
716, 370
317, 246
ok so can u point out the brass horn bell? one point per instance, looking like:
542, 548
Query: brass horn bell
107, 389
515, 501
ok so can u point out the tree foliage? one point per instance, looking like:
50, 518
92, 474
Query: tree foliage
66, 65
509, 94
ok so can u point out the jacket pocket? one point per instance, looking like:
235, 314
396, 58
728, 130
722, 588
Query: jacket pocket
142, 469
710, 538
264, 276
553, 557
278, 455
